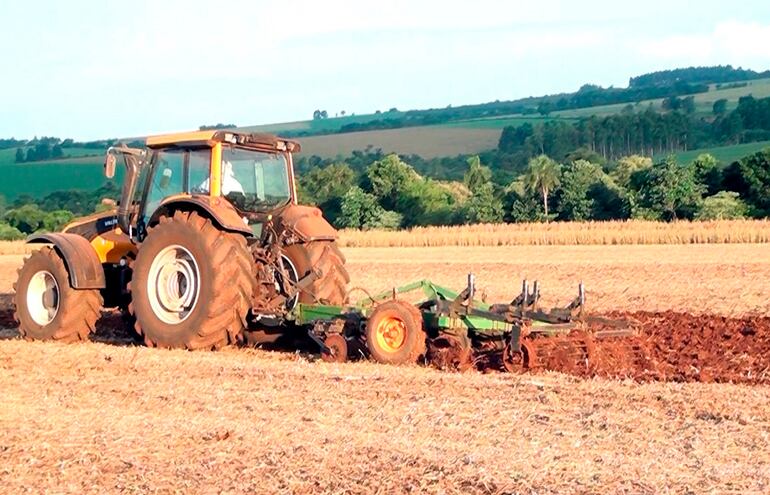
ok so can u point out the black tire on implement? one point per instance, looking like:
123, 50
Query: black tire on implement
226, 284
332, 286
402, 318
78, 309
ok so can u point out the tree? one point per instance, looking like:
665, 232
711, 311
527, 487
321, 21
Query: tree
688, 104
542, 176
8, 233
707, 172
477, 175
55, 220
724, 205
520, 204
387, 179
573, 199
31, 157
19, 155
627, 166
425, 202
27, 219
360, 211
667, 190
720, 107
750, 177
57, 152
483, 206
326, 186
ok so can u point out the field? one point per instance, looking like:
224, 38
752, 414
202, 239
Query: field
107, 416
566, 233
426, 141
725, 154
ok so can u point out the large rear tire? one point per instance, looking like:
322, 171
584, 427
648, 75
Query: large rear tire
192, 284
325, 256
47, 307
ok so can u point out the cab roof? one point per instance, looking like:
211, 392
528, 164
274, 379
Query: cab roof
211, 137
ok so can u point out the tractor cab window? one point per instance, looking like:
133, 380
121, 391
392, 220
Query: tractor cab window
176, 171
255, 181
167, 178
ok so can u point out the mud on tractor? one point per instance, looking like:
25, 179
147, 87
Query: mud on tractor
208, 247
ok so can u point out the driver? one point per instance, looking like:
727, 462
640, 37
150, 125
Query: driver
229, 183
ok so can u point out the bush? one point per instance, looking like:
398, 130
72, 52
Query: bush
724, 205
8, 233
359, 210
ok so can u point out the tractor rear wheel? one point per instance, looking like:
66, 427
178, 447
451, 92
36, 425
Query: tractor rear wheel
325, 256
192, 284
47, 308
394, 333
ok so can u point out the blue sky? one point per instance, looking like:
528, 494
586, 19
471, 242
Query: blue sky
98, 69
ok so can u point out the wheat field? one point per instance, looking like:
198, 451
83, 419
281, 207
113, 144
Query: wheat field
566, 234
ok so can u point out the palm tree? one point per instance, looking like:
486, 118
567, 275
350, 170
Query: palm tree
542, 176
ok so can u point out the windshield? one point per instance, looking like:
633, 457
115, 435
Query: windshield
254, 180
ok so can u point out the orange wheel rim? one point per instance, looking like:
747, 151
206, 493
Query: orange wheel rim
390, 334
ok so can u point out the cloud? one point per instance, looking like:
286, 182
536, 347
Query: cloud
734, 42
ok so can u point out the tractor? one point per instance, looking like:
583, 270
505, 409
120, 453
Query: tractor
207, 246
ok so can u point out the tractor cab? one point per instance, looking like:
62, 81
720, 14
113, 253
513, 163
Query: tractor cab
252, 172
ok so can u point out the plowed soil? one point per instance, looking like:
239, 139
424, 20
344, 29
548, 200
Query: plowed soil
677, 347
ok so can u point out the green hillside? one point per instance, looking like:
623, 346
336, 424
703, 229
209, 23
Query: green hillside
725, 154
428, 141
8, 156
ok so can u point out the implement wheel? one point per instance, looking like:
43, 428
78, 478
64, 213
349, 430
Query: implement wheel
394, 333
338, 349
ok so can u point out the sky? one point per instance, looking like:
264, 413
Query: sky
102, 69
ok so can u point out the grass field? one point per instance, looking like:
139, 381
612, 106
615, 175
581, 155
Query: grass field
96, 417
725, 154
40, 178
8, 156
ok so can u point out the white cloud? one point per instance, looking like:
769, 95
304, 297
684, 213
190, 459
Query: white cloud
734, 42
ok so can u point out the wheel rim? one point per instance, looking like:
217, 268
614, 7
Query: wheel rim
390, 334
173, 285
43, 297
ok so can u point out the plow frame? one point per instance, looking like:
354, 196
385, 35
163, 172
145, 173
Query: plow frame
448, 312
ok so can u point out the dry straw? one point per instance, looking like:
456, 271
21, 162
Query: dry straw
567, 233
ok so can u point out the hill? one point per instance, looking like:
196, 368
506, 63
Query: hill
430, 141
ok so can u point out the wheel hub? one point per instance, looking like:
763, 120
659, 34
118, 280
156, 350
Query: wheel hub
391, 334
173, 284
43, 297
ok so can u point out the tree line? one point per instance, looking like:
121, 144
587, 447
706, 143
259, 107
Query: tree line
27, 215
389, 193
669, 85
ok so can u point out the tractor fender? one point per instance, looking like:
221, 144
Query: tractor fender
307, 222
218, 209
82, 262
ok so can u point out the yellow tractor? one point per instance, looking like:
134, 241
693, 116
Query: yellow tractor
207, 245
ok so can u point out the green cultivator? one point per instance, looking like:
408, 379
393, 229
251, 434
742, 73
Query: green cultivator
457, 331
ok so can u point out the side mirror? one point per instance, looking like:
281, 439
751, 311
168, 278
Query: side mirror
109, 165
